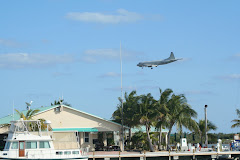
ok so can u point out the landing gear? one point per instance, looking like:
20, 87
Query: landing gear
151, 68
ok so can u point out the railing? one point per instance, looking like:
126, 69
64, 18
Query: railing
47, 154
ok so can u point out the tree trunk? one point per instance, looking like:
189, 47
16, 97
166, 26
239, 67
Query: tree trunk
169, 133
201, 138
149, 139
130, 138
160, 138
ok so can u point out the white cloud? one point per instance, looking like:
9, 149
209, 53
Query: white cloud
89, 59
122, 16
94, 55
23, 60
114, 74
9, 43
108, 53
231, 77
61, 74
197, 92
237, 56
110, 74
125, 88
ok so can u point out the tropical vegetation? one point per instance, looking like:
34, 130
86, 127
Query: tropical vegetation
180, 114
60, 101
29, 115
236, 121
144, 110
202, 132
162, 111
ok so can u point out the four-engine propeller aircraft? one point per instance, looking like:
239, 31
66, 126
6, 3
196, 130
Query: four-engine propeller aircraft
156, 63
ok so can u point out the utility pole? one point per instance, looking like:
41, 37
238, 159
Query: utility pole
206, 137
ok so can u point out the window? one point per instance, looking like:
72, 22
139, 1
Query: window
75, 152
14, 145
67, 152
7, 145
59, 153
32, 145
44, 144
86, 137
21, 145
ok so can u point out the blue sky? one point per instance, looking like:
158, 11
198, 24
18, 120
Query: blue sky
51, 48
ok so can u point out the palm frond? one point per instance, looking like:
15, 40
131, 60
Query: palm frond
237, 121
20, 114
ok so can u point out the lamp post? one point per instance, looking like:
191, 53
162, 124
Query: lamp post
206, 137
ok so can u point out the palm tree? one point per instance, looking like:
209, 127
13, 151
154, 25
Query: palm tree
201, 125
162, 110
61, 101
30, 113
180, 114
147, 114
131, 105
236, 121
129, 111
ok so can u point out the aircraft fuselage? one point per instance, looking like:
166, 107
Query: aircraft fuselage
157, 63
152, 63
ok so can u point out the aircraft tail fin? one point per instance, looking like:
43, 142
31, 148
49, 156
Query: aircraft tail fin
171, 56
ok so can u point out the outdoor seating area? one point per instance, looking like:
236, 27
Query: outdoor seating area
101, 147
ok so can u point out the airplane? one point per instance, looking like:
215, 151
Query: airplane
156, 63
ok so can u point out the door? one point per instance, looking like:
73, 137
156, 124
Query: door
21, 148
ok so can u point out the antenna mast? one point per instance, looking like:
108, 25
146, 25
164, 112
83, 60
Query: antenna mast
13, 111
122, 98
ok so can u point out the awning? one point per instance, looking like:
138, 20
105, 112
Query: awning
76, 129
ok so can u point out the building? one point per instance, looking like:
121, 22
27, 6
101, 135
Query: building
65, 119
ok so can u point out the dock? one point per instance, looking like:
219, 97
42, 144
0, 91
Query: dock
163, 155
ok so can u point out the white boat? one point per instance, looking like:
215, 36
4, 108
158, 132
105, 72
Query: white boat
26, 141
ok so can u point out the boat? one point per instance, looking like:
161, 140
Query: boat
26, 141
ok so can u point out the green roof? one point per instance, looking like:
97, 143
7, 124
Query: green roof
9, 118
16, 116
76, 129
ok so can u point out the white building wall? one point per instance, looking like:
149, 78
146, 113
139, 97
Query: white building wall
70, 118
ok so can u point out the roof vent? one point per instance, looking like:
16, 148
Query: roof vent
58, 109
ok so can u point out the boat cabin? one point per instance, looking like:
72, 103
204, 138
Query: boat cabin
27, 140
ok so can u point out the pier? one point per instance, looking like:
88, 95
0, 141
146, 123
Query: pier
163, 155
